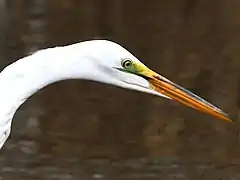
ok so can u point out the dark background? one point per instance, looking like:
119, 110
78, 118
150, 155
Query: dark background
87, 130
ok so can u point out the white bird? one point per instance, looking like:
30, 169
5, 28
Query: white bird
97, 60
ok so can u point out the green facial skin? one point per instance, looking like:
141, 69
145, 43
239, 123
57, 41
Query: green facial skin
130, 66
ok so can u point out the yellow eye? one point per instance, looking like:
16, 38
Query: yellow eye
127, 63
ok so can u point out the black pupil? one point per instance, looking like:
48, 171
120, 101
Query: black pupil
127, 64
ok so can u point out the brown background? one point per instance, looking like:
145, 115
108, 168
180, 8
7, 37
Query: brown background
87, 130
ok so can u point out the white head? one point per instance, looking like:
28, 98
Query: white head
110, 63
97, 60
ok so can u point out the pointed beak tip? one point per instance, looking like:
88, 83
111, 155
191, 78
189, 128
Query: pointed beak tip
180, 94
225, 117
230, 121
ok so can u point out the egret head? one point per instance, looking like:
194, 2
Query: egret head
117, 66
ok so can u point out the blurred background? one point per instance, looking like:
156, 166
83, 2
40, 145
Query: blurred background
86, 130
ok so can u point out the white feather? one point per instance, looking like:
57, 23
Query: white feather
92, 60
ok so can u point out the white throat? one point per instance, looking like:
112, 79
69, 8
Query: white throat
26, 76
91, 60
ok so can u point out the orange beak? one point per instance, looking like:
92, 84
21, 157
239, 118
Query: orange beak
182, 95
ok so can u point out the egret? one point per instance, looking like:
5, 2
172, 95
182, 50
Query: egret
96, 60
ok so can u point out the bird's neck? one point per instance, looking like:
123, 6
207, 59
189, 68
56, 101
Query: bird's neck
23, 78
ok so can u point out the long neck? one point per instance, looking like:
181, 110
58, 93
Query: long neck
23, 78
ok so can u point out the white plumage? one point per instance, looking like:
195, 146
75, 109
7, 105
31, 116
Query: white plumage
97, 60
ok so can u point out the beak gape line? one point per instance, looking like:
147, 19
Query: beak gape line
184, 96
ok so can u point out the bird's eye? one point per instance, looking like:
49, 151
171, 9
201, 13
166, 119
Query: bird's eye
127, 63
